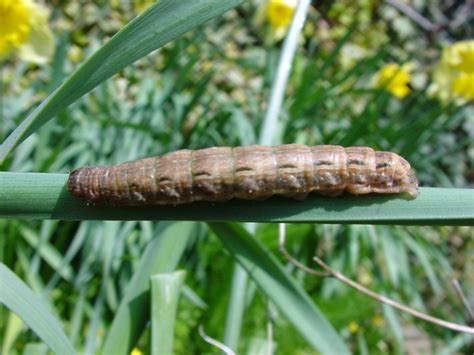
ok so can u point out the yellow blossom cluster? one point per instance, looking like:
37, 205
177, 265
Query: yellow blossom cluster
394, 78
24, 28
277, 14
353, 327
136, 351
280, 12
15, 25
453, 76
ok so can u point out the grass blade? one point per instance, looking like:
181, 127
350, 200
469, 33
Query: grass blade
161, 23
19, 298
165, 290
44, 196
280, 288
236, 307
161, 255
13, 329
47, 252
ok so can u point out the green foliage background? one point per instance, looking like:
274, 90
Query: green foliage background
210, 87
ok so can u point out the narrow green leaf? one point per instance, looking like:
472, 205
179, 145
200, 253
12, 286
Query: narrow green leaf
161, 23
13, 328
236, 307
44, 196
423, 258
35, 349
193, 297
91, 338
280, 288
165, 291
362, 344
19, 298
161, 255
77, 317
455, 344
392, 319
47, 251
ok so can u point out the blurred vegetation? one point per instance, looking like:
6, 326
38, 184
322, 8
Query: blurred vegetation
210, 88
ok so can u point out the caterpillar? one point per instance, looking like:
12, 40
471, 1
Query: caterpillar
253, 172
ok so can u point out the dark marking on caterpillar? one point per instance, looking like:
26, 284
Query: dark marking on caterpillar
382, 165
356, 161
322, 162
250, 172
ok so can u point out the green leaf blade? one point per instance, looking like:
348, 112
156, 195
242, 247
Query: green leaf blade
165, 291
19, 298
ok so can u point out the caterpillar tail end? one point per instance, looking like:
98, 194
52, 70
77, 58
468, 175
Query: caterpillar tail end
410, 187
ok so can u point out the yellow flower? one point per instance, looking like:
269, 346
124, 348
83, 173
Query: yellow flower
463, 85
394, 78
377, 320
15, 25
353, 327
460, 56
277, 14
24, 27
280, 12
453, 75
136, 351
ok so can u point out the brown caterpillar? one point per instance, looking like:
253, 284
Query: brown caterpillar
250, 172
